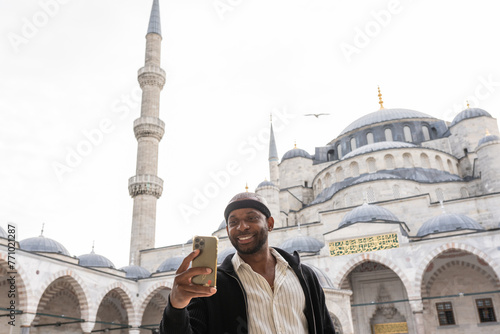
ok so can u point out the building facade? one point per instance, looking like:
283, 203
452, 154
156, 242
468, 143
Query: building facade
398, 216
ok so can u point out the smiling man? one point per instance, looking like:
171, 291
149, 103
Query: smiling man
259, 290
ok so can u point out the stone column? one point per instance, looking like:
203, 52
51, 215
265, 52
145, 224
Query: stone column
417, 308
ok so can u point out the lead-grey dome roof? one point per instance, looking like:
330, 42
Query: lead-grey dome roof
3, 234
223, 254
487, 139
380, 146
302, 244
469, 113
296, 152
170, 264
448, 222
222, 226
135, 272
368, 213
323, 278
384, 115
95, 260
43, 244
265, 183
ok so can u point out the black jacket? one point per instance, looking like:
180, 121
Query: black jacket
225, 311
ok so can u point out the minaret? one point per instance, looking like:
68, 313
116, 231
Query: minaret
274, 172
146, 187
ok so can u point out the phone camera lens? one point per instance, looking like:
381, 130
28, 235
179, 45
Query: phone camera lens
202, 242
196, 246
197, 240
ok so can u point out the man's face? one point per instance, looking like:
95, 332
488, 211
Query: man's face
247, 230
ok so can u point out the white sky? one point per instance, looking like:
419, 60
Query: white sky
226, 72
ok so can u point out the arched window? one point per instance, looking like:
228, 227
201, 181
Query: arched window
440, 194
424, 161
434, 132
370, 195
439, 162
408, 160
330, 155
320, 185
339, 174
407, 133
328, 180
369, 138
353, 144
464, 193
388, 135
354, 167
372, 166
395, 191
339, 151
425, 131
389, 161
450, 166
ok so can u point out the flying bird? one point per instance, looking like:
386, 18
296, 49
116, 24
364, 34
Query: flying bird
316, 115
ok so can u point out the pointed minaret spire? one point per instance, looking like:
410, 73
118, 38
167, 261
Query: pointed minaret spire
146, 187
380, 99
273, 157
154, 19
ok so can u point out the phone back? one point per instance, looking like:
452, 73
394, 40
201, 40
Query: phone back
207, 258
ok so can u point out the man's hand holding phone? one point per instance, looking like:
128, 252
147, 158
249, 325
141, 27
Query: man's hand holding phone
184, 289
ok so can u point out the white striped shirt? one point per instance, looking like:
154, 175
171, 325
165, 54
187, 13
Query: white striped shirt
280, 311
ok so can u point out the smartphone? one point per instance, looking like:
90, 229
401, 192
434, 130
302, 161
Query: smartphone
207, 258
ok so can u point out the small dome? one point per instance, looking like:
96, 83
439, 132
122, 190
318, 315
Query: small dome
190, 241
265, 183
222, 226
42, 244
95, 260
3, 234
368, 213
448, 222
384, 115
135, 272
469, 113
296, 152
323, 278
380, 146
170, 264
488, 139
223, 254
302, 244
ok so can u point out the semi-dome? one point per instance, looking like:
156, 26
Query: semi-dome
42, 244
469, 113
448, 222
380, 146
135, 272
488, 139
368, 213
295, 153
384, 115
3, 234
95, 260
323, 278
170, 264
302, 244
223, 254
266, 183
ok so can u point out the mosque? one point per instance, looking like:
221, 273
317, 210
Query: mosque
398, 216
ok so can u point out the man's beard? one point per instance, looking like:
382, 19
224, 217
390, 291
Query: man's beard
262, 239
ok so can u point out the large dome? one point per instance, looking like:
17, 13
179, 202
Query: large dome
469, 113
95, 260
170, 264
384, 115
295, 153
383, 145
368, 213
448, 222
135, 272
302, 244
266, 183
42, 244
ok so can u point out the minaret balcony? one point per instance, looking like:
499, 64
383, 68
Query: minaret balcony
151, 75
147, 126
145, 185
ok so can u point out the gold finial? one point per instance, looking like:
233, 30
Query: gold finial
41, 233
246, 187
487, 132
380, 99
294, 144
467, 104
